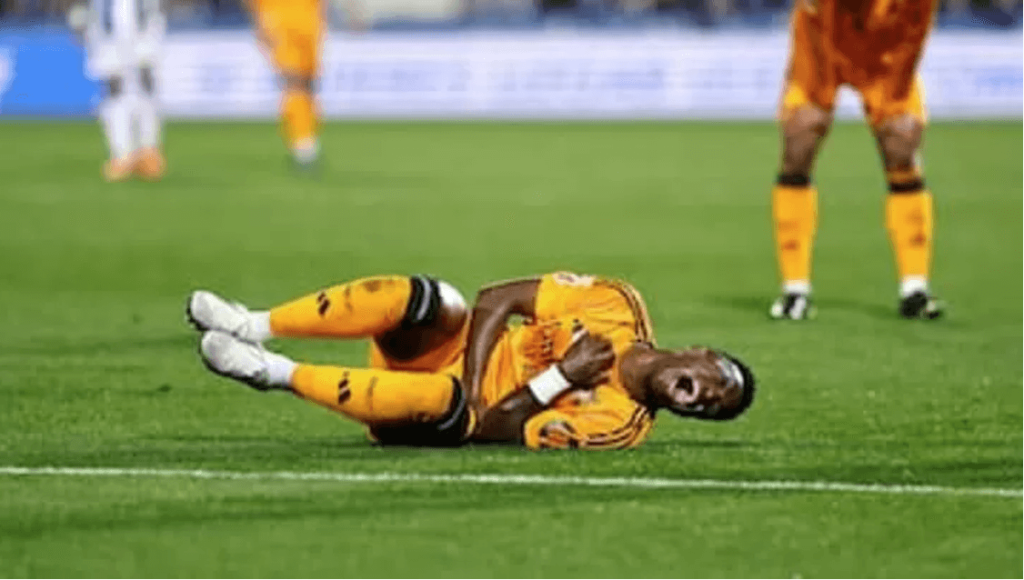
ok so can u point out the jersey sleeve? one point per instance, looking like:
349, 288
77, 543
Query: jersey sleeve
604, 306
609, 422
561, 294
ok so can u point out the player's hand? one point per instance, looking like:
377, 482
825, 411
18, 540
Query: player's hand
588, 360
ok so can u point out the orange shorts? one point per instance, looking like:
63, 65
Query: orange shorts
446, 358
820, 62
292, 30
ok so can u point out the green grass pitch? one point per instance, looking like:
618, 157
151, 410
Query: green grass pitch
98, 368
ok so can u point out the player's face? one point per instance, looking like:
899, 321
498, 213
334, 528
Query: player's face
696, 382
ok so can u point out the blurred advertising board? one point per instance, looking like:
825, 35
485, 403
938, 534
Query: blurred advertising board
41, 75
506, 75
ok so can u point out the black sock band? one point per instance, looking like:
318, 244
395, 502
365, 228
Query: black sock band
794, 180
913, 186
424, 302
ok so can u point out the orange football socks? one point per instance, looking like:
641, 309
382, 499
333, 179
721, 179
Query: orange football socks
908, 217
376, 397
362, 308
795, 217
298, 118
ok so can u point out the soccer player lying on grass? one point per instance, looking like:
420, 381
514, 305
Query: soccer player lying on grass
580, 369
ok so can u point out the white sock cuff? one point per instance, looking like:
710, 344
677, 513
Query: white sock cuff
259, 326
306, 150
797, 287
116, 117
280, 369
911, 284
148, 119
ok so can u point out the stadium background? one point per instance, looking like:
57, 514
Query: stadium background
508, 59
98, 368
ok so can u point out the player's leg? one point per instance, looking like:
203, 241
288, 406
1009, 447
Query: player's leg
299, 119
398, 407
898, 126
408, 316
805, 118
150, 162
795, 209
296, 54
116, 118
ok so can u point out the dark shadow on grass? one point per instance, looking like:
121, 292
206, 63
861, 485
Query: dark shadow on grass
352, 177
873, 310
756, 304
760, 305
700, 443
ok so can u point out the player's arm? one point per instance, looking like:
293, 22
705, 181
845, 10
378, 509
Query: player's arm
585, 364
494, 306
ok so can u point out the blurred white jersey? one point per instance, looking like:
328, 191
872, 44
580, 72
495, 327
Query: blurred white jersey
122, 35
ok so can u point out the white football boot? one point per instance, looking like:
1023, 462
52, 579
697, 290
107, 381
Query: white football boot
207, 311
251, 364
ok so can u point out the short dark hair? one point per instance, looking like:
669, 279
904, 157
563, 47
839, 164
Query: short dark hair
748, 392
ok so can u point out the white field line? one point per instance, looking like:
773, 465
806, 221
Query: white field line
511, 479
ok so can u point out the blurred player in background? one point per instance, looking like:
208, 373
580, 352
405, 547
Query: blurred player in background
122, 43
874, 46
581, 371
289, 33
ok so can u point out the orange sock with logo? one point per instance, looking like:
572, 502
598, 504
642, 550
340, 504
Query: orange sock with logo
376, 397
363, 308
298, 117
795, 219
909, 220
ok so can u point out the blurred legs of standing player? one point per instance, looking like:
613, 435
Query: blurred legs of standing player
149, 163
289, 31
875, 48
122, 40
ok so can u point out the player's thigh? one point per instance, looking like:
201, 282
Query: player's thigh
811, 78
433, 331
295, 45
105, 59
894, 96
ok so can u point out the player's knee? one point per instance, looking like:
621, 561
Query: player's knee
146, 80
802, 132
899, 139
298, 82
435, 303
115, 86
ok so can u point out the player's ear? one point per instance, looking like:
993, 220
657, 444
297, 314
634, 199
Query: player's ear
747, 383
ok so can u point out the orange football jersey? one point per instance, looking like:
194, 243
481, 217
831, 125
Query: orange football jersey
872, 45
602, 417
605, 416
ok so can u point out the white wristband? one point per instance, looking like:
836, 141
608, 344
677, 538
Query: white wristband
548, 385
